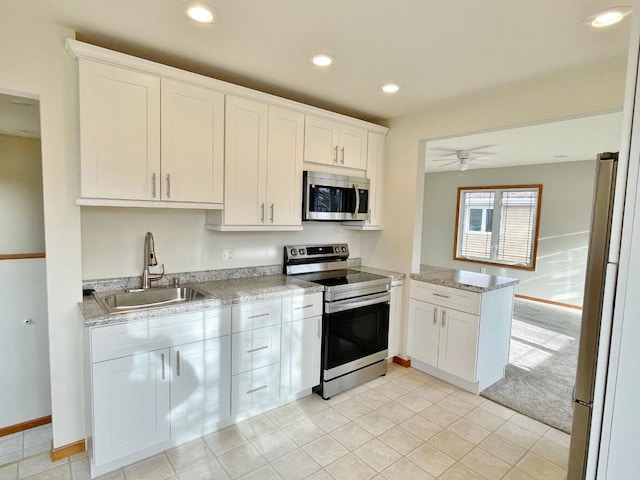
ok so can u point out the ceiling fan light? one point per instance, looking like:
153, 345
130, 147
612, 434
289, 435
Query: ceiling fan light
608, 17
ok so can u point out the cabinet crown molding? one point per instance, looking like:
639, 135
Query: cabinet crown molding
79, 49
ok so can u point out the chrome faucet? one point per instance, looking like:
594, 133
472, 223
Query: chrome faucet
150, 261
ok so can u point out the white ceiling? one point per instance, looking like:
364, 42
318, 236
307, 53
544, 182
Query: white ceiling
571, 140
436, 49
19, 116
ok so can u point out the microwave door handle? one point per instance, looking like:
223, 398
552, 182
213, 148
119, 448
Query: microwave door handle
355, 212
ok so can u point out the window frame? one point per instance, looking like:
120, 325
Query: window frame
497, 191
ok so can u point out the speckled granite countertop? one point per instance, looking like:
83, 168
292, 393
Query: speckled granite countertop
225, 293
462, 279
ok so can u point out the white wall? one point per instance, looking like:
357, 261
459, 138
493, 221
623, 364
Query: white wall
565, 219
34, 62
113, 239
578, 92
21, 212
24, 349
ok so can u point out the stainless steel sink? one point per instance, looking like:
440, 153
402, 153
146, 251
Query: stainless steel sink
120, 302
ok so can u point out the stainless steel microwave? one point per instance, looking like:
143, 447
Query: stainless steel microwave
327, 196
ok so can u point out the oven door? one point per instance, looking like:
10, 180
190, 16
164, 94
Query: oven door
337, 198
355, 334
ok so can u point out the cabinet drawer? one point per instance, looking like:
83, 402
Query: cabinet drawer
256, 389
255, 348
301, 306
446, 297
116, 341
256, 315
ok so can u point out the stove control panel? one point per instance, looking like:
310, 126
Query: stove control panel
316, 252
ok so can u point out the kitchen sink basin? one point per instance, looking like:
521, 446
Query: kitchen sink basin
126, 301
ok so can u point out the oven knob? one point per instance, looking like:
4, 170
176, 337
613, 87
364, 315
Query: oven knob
294, 252
302, 251
344, 249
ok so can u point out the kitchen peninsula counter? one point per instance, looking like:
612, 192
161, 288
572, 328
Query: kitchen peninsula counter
462, 279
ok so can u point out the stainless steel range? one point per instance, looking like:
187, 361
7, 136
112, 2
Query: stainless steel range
355, 326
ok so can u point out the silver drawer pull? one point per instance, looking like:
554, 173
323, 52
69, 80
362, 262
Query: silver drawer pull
306, 306
257, 389
264, 347
440, 295
258, 316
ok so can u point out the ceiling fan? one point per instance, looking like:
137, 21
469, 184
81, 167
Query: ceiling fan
464, 158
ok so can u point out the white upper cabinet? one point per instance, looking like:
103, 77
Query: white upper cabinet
192, 143
246, 161
149, 139
263, 167
119, 133
330, 142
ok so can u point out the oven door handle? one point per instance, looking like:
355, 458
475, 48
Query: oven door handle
350, 304
355, 212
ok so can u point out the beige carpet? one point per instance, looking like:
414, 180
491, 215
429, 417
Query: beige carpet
542, 363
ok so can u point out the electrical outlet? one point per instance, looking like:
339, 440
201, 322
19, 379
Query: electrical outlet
226, 255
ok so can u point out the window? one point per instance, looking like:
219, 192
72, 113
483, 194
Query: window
508, 237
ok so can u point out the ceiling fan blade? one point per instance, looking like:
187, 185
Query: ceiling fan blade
450, 163
438, 149
481, 147
443, 160
479, 160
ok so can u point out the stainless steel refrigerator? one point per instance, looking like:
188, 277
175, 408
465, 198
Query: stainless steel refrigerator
593, 308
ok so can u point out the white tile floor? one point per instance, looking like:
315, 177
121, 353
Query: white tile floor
406, 425
25, 444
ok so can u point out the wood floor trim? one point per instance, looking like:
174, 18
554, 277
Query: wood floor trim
21, 256
549, 302
67, 450
20, 427
402, 362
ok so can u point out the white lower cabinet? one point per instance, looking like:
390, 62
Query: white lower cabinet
200, 396
130, 405
159, 382
460, 336
301, 343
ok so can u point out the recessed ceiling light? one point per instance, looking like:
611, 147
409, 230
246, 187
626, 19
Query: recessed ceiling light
200, 12
390, 87
321, 59
605, 18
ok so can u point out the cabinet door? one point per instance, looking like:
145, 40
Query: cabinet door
119, 132
321, 139
375, 174
284, 167
200, 387
395, 310
130, 404
353, 147
245, 162
192, 143
423, 332
458, 343
300, 360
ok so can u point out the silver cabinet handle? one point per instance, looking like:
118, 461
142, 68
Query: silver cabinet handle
272, 213
342, 150
262, 218
303, 307
168, 185
162, 360
435, 316
251, 350
440, 295
318, 330
444, 318
257, 389
335, 154
178, 363
153, 180
258, 316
